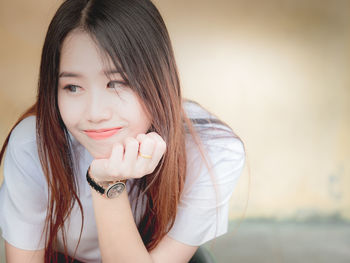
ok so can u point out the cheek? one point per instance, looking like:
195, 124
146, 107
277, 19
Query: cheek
69, 111
142, 115
135, 113
146, 122
142, 120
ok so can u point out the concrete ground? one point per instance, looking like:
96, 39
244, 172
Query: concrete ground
271, 242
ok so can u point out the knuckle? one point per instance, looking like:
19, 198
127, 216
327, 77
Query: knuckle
130, 173
154, 134
162, 145
148, 140
150, 170
140, 136
131, 143
117, 144
130, 140
139, 174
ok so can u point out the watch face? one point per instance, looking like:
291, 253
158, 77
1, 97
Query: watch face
115, 189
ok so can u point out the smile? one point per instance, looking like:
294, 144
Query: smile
102, 133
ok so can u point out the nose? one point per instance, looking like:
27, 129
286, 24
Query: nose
99, 109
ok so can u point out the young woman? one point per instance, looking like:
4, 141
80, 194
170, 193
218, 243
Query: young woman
111, 164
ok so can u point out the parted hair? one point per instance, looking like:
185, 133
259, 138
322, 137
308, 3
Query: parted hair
133, 35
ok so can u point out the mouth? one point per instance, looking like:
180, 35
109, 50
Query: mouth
102, 133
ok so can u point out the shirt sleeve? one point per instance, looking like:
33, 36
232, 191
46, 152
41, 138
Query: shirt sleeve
204, 204
23, 195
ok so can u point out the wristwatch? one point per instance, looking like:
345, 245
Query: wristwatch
107, 189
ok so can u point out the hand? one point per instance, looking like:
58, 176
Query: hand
136, 158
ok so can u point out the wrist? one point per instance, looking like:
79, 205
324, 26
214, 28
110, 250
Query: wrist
108, 189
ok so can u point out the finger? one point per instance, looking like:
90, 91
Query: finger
141, 138
130, 157
145, 154
115, 160
159, 150
108, 169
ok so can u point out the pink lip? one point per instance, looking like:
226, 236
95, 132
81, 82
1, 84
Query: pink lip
102, 133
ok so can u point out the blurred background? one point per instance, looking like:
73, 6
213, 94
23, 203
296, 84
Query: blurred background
278, 72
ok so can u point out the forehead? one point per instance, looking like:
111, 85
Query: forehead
80, 53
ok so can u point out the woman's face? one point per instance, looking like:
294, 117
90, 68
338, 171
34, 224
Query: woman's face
97, 110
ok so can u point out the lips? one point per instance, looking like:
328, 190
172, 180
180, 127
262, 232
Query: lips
102, 133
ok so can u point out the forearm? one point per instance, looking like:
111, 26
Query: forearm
118, 236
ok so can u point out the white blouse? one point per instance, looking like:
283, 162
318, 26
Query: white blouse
202, 212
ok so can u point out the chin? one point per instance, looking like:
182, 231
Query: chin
98, 149
100, 152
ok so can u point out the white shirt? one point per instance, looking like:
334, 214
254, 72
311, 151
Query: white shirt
200, 216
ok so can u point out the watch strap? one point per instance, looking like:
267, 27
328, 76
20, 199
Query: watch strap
93, 184
120, 184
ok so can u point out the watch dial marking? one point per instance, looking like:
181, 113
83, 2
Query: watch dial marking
115, 189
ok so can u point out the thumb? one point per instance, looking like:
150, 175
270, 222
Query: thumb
98, 170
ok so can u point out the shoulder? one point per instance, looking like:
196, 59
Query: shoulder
213, 167
222, 156
206, 123
215, 136
24, 133
220, 152
22, 151
195, 110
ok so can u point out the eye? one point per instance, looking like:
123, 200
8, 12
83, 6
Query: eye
71, 88
116, 84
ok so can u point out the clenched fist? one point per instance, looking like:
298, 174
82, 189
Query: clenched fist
136, 158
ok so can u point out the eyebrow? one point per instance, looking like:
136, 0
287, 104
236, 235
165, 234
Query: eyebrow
65, 74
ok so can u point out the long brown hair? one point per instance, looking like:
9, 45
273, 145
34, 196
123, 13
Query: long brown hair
133, 34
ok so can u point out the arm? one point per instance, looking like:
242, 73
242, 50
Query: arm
120, 240
23, 197
118, 235
14, 255
172, 251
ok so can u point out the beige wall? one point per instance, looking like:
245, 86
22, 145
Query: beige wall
276, 71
